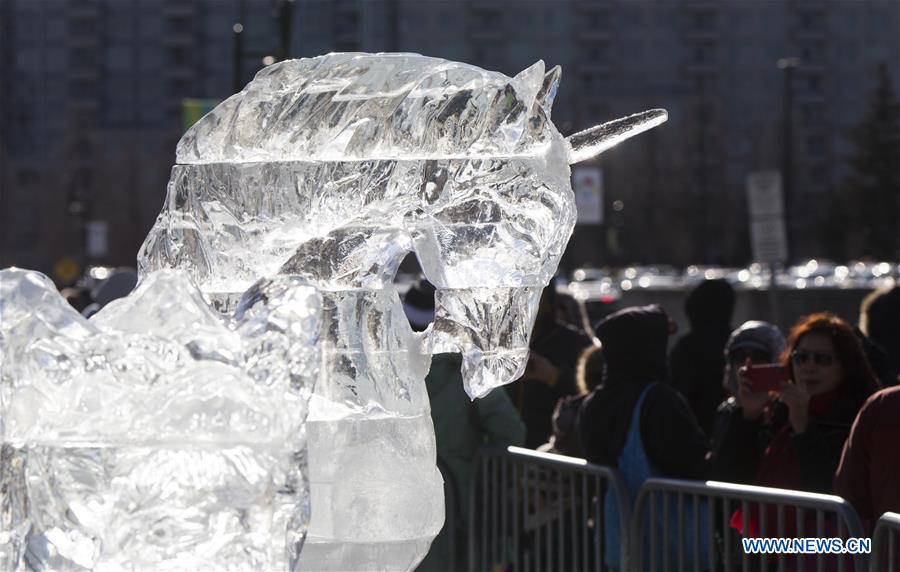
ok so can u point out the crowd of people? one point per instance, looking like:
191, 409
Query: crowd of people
817, 410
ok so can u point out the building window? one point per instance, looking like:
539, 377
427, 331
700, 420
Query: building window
82, 90
179, 56
346, 46
84, 57
811, 112
587, 81
816, 145
83, 27
26, 178
597, 53
818, 175
180, 25
180, 86
810, 21
703, 21
702, 54
597, 21
487, 19
814, 82
26, 58
119, 58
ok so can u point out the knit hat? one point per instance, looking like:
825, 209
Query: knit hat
753, 335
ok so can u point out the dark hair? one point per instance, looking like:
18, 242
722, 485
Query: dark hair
710, 303
859, 381
879, 314
589, 372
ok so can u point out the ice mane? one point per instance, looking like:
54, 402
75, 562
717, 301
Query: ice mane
350, 106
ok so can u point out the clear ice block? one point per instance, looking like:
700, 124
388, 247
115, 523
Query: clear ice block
157, 435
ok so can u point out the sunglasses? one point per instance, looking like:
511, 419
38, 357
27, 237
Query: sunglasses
801, 357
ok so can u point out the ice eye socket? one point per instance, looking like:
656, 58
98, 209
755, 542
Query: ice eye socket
801, 357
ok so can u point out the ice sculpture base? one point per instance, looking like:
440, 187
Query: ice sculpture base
354, 465
365, 556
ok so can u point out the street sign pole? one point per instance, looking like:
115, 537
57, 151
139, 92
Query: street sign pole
774, 307
767, 229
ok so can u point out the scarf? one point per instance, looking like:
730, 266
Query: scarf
780, 468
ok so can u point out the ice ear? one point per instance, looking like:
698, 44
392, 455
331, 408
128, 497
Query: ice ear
547, 93
591, 142
530, 82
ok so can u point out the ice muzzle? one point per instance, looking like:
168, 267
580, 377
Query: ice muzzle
490, 327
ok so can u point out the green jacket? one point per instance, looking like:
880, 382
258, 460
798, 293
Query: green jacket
461, 427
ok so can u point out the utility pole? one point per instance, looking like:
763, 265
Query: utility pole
237, 72
788, 65
285, 15
393, 15
237, 78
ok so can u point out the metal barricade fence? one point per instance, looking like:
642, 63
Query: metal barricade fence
693, 525
534, 511
885, 541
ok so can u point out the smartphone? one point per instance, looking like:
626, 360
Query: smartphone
767, 376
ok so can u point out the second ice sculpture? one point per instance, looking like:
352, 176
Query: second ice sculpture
337, 167
154, 436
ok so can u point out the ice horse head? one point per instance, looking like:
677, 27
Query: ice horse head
336, 168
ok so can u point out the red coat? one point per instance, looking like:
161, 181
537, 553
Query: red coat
868, 473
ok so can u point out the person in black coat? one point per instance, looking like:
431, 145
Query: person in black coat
634, 348
565, 439
640, 425
697, 359
879, 322
550, 373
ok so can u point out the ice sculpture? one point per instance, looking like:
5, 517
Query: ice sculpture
155, 436
335, 168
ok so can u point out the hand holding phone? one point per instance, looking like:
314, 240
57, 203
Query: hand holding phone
767, 377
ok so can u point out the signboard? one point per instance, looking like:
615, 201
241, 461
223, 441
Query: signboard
587, 182
769, 240
764, 195
66, 269
96, 242
766, 206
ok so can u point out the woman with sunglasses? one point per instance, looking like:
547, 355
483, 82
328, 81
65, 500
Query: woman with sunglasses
792, 437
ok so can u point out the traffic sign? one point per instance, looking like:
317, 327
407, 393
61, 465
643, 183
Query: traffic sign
766, 207
587, 182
